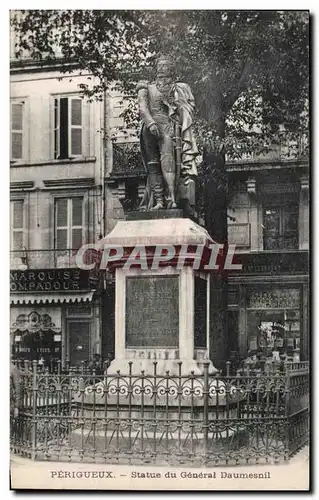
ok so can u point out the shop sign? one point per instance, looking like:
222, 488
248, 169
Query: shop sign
274, 263
49, 280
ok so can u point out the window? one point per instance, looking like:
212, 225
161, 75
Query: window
67, 127
17, 225
274, 322
68, 223
17, 112
280, 227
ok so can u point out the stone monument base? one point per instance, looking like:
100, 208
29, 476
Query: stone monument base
161, 311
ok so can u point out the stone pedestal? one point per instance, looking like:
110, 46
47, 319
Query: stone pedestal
161, 313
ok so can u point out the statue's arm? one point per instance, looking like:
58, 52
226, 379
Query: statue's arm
143, 107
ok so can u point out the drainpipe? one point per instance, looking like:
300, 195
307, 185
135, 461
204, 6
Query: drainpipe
107, 155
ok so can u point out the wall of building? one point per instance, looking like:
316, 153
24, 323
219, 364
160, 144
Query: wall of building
251, 192
272, 288
39, 180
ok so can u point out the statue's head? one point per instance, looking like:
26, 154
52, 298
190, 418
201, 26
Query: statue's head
165, 66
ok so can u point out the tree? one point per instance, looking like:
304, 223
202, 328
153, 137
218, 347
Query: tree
231, 59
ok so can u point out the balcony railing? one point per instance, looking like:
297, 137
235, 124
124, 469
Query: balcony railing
50, 258
284, 150
272, 242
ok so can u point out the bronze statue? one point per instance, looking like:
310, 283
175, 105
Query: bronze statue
168, 146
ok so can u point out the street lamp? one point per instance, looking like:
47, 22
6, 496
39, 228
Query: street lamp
24, 261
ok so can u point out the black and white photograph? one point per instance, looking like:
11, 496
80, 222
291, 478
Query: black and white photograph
160, 313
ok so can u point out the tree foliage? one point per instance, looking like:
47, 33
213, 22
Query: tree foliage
248, 69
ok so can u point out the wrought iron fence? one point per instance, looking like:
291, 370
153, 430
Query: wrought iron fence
197, 420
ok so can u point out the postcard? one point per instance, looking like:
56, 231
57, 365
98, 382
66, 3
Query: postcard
159, 244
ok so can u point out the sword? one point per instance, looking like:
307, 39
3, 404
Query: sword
178, 153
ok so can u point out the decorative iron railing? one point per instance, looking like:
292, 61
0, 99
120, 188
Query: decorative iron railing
127, 159
195, 419
283, 149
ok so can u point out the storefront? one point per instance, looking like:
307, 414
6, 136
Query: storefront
268, 306
54, 315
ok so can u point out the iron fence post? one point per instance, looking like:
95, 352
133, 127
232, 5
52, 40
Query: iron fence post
179, 415
34, 410
287, 409
206, 407
227, 394
154, 408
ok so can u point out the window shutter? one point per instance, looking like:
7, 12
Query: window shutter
56, 128
18, 214
68, 223
17, 224
76, 238
64, 131
68, 127
77, 222
76, 126
62, 212
61, 223
17, 130
77, 205
76, 112
61, 239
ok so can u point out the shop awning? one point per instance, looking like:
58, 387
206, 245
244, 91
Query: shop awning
51, 298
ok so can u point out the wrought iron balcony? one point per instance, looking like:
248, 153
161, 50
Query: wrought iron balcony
284, 150
127, 160
47, 259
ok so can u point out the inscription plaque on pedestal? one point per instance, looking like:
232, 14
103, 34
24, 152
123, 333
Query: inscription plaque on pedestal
152, 310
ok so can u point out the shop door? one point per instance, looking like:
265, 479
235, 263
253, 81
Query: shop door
79, 341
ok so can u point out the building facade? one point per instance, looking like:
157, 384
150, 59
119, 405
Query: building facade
70, 184
268, 306
56, 198
268, 301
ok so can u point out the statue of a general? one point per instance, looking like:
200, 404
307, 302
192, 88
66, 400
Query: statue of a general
168, 146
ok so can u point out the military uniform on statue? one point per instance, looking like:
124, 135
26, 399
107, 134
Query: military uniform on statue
156, 309
168, 147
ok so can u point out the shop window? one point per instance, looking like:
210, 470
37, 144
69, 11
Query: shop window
280, 227
69, 223
68, 127
36, 337
17, 224
79, 341
17, 132
273, 323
